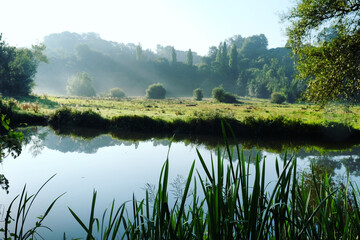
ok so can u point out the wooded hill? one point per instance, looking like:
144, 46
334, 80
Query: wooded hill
244, 66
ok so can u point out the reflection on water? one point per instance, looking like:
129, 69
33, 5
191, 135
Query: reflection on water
118, 165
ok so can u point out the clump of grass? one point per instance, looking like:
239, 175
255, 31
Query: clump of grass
14, 226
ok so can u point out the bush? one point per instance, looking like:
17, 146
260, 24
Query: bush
198, 94
81, 85
116, 93
155, 91
221, 95
277, 97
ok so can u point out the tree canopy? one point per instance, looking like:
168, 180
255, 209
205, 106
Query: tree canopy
81, 85
18, 67
325, 38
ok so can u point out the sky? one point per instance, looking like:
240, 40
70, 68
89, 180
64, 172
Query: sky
184, 24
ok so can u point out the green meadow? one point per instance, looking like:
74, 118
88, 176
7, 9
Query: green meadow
186, 108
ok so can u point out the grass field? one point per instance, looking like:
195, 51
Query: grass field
187, 108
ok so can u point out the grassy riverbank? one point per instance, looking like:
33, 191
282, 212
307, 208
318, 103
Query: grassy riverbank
251, 118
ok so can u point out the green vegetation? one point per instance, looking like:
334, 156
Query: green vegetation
116, 93
81, 85
198, 94
325, 38
155, 91
221, 95
277, 97
250, 117
10, 141
238, 63
18, 67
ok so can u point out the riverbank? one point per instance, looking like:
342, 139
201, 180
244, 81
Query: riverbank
249, 119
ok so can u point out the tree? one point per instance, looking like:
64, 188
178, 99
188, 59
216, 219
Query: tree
173, 59
198, 94
254, 46
81, 85
222, 56
189, 58
325, 38
18, 67
116, 92
155, 91
139, 53
233, 63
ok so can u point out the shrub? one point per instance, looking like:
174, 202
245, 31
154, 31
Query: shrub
116, 93
81, 85
198, 94
156, 91
221, 95
277, 97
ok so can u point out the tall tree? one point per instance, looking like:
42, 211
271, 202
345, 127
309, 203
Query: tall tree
222, 54
233, 58
139, 53
173, 59
329, 63
189, 58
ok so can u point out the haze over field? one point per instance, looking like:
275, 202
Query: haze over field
183, 24
183, 45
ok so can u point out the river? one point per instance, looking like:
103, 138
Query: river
118, 168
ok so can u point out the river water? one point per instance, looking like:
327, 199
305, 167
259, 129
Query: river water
118, 168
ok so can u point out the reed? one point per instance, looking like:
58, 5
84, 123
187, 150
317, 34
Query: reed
14, 226
233, 203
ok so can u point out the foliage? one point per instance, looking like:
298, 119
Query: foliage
18, 67
277, 97
10, 141
81, 85
221, 95
134, 68
116, 93
189, 58
139, 53
325, 38
155, 91
173, 59
198, 94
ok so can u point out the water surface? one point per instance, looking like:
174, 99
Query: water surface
118, 168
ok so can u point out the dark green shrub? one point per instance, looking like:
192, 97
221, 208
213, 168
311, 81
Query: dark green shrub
198, 94
116, 93
221, 95
66, 117
155, 91
277, 97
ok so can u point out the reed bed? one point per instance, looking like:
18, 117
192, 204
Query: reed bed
232, 203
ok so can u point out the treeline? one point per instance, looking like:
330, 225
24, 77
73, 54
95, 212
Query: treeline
242, 66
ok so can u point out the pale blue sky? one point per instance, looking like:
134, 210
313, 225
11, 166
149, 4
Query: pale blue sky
184, 24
